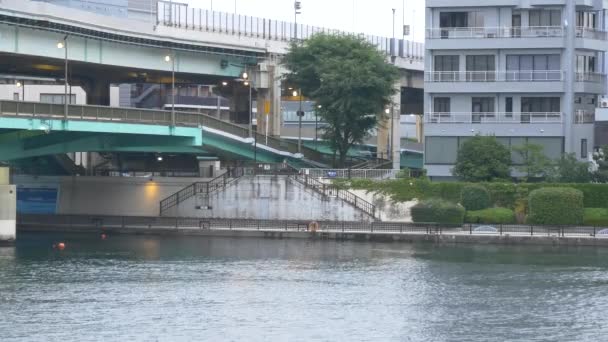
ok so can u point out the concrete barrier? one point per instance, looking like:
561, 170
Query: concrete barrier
8, 208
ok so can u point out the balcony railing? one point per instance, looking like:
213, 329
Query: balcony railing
494, 32
493, 118
591, 77
495, 76
590, 33
584, 117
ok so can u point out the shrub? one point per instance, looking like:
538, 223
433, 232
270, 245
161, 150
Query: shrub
438, 211
475, 197
491, 216
560, 206
596, 217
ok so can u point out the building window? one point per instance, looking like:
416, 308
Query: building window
447, 67
453, 19
541, 18
509, 107
57, 98
540, 104
15, 96
585, 64
586, 20
441, 150
583, 148
481, 68
482, 107
533, 68
441, 105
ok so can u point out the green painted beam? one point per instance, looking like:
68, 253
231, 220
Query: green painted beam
114, 127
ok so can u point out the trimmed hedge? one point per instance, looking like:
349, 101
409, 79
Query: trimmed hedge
502, 194
562, 206
475, 197
491, 216
596, 217
438, 211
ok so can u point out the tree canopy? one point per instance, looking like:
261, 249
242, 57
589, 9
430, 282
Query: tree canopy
350, 81
482, 159
534, 163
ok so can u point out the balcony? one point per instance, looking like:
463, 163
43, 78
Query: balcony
495, 81
496, 76
494, 118
494, 32
591, 83
495, 37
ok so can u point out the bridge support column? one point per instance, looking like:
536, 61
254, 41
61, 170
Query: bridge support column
98, 92
389, 132
269, 99
8, 209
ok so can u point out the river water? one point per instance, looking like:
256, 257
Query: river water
215, 289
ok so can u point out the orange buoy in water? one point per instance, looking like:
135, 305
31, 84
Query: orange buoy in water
61, 246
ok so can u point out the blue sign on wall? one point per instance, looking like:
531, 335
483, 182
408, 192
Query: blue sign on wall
32, 200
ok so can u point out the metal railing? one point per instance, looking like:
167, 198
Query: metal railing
591, 77
206, 188
495, 32
182, 16
495, 76
147, 116
492, 118
591, 33
352, 173
330, 190
107, 223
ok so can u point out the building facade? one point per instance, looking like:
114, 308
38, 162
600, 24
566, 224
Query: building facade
522, 70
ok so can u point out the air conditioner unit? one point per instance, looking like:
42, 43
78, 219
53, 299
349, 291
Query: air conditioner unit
604, 102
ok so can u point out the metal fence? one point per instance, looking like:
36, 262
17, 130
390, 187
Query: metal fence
352, 173
102, 222
182, 16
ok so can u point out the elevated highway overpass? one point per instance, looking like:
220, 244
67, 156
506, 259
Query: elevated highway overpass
207, 47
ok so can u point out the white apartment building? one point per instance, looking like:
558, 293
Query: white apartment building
522, 70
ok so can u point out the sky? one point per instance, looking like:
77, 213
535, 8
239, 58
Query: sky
373, 17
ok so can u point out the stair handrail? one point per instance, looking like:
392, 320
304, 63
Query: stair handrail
215, 184
330, 190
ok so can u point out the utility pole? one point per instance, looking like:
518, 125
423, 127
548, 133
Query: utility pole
300, 115
297, 6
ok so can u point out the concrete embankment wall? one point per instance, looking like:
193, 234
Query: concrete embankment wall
8, 194
262, 197
269, 198
128, 196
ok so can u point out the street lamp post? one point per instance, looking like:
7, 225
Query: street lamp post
297, 6
171, 58
300, 115
64, 45
317, 125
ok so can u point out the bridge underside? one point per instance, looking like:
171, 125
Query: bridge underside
23, 138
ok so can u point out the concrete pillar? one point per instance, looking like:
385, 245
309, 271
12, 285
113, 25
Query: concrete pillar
269, 94
8, 209
389, 131
568, 67
98, 92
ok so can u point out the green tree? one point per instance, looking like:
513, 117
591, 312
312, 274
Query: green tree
601, 160
349, 79
569, 169
534, 163
482, 159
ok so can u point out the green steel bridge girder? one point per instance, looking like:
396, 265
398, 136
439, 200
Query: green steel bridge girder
31, 137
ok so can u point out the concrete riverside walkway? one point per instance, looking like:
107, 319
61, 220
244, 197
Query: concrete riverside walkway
379, 232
